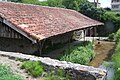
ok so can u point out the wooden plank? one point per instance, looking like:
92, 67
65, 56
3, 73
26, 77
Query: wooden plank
18, 30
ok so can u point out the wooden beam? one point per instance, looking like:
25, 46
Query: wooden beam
84, 32
40, 46
18, 30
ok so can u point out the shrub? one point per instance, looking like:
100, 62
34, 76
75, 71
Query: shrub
58, 75
81, 54
6, 74
54, 77
33, 67
117, 36
91, 11
111, 36
116, 56
114, 17
116, 59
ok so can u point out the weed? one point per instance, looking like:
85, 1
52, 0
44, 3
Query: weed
81, 54
59, 76
116, 56
35, 68
6, 74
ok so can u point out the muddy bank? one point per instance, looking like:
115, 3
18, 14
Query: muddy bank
104, 51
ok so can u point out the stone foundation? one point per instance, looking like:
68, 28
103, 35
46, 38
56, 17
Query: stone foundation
78, 72
17, 45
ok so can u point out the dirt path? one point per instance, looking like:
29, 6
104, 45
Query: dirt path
103, 51
15, 66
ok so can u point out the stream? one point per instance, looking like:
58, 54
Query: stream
104, 51
109, 66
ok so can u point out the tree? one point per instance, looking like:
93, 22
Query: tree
91, 11
36, 2
73, 4
55, 3
15, 0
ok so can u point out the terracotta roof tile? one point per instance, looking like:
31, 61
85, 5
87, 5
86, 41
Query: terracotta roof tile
43, 22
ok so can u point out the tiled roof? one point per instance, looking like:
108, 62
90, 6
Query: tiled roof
41, 22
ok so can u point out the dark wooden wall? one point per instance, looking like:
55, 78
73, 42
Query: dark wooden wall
6, 31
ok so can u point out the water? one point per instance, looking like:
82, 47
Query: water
109, 66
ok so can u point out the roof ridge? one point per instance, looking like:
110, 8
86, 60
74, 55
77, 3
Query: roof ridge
58, 20
37, 5
48, 7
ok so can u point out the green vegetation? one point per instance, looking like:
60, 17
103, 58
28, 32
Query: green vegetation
116, 59
111, 36
35, 68
55, 3
7, 74
59, 75
117, 36
73, 4
31, 2
113, 17
81, 54
116, 56
94, 13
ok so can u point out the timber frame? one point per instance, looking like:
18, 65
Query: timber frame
17, 33
17, 30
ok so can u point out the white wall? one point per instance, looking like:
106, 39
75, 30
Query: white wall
3, 0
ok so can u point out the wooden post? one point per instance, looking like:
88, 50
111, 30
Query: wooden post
40, 46
69, 46
93, 29
84, 31
90, 33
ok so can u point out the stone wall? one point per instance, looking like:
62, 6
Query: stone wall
17, 45
10, 40
62, 38
24, 45
78, 72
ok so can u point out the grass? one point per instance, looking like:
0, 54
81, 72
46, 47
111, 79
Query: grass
35, 68
7, 74
116, 56
81, 54
111, 37
116, 59
58, 75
